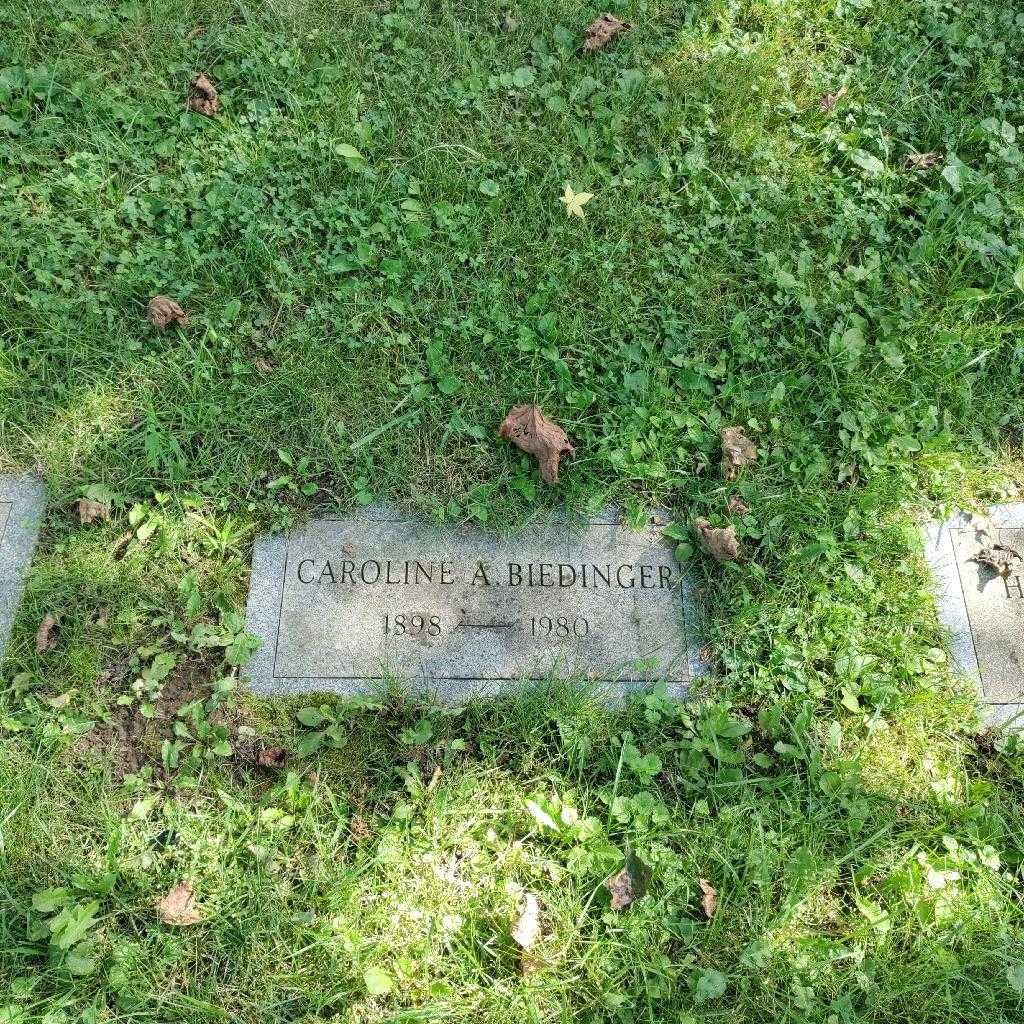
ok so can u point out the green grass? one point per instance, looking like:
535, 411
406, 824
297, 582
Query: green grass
370, 242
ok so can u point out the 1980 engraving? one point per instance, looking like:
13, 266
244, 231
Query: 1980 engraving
357, 600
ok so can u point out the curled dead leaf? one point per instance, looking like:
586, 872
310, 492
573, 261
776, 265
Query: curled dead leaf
195, 33
737, 451
737, 506
272, 757
90, 511
46, 634
999, 558
529, 429
921, 161
630, 883
830, 99
710, 898
162, 312
202, 96
178, 907
527, 927
721, 544
600, 32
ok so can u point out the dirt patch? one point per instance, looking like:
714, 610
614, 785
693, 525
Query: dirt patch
129, 741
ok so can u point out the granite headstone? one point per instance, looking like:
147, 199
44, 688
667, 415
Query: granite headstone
22, 499
344, 604
983, 609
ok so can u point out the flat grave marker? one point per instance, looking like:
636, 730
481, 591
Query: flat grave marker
983, 610
344, 604
22, 499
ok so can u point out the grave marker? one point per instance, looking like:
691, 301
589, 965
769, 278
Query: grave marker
983, 610
21, 504
346, 603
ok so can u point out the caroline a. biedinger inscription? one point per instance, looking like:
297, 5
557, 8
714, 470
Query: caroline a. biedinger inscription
346, 602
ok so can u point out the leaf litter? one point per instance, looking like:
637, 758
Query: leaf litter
202, 96
710, 898
921, 161
830, 99
999, 558
163, 311
737, 451
46, 634
529, 429
527, 928
630, 883
90, 511
600, 32
721, 544
178, 907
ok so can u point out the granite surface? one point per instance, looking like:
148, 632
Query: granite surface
346, 604
982, 610
22, 500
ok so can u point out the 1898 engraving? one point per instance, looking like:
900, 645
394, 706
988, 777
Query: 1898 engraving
346, 602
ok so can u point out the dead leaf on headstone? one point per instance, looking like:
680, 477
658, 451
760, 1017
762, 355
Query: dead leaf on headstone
630, 883
721, 544
202, 96
162, 312
528, 925
178, 907
90, 511
529, 429
737, 506
710, 900
999, 558
921, 161
46, 635
737, 451
602, 31
830, 99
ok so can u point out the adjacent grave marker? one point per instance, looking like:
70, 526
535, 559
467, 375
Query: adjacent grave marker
345, 603
21, 504
983, 610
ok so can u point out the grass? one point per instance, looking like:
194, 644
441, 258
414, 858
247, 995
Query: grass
370, 242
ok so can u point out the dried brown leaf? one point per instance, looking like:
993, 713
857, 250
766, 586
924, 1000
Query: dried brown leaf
830, 99
602, 31
527, 927
710, 900
162, 312
272, 757
630, 883
90, 511
737, 506
721, 544
46, 635
529, 429
178, 907
999, 558
202, 96
360, 828
737, 451
195, 33
921, 161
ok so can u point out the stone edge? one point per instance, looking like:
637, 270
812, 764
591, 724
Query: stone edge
27, 496
952, 608
264, 603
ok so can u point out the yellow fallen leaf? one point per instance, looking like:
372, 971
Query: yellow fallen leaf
575, 201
